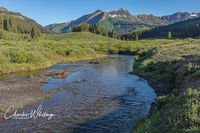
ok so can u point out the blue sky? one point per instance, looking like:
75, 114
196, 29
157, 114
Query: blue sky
55, 11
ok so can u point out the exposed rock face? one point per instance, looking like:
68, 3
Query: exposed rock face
180, 16
123, 21
120, 13
113, 20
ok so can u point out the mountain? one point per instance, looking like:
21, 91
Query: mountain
120, 20
57, 27
3, 9
180, 16
186, 28
16, 22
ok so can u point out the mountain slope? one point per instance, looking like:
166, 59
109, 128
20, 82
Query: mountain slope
3, 9
180, 16
187, 28
120, 20
16, 22
57, 27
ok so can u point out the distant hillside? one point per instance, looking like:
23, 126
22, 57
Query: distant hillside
15, 22
3, 9
180, 16
120, 20
188, 28
57, 27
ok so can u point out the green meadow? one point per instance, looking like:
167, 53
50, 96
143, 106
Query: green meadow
176, 62
19, 52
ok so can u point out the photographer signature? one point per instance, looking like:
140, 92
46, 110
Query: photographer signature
34, 114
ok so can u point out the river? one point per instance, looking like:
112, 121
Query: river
100, 98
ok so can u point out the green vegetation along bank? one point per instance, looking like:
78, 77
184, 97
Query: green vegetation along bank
21, 52
178, 65
176, 62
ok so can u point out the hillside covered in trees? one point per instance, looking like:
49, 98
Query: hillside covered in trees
189, 28
184, 29
97, 29
17, 23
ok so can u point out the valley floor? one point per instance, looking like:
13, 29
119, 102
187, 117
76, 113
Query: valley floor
175, 62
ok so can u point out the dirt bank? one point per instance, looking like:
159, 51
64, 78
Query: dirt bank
21, 93
25, 92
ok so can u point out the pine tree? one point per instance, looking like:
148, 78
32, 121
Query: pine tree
12, 24
1, 22
91, 29
136, 37
73, 28
169, 36
1, 34
6, 24
35, 33
97, 29
114, 34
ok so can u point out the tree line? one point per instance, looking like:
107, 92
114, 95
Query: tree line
13, 24
184, 29
189, 28
17, 23
97, 29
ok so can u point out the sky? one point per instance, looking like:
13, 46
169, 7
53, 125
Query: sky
58, 11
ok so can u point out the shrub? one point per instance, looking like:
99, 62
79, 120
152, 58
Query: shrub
17, 57
191, 68
61, 52
30, 58
162, 100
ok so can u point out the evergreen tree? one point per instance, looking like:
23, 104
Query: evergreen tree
110, 34
136, 37
114, 34
97, 29
169, 36
91, 29
6, 24
1, 22
1, 34
35, 33
73, 28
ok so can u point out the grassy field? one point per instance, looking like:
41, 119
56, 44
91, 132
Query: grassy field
178, 64
19, 52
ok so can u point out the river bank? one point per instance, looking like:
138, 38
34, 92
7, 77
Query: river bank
178, 99
21, 93
102, 97
61, 60
25, 92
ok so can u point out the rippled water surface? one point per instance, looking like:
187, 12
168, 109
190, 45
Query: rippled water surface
100, 98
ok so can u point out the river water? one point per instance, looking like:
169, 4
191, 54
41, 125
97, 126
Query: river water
100, 98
